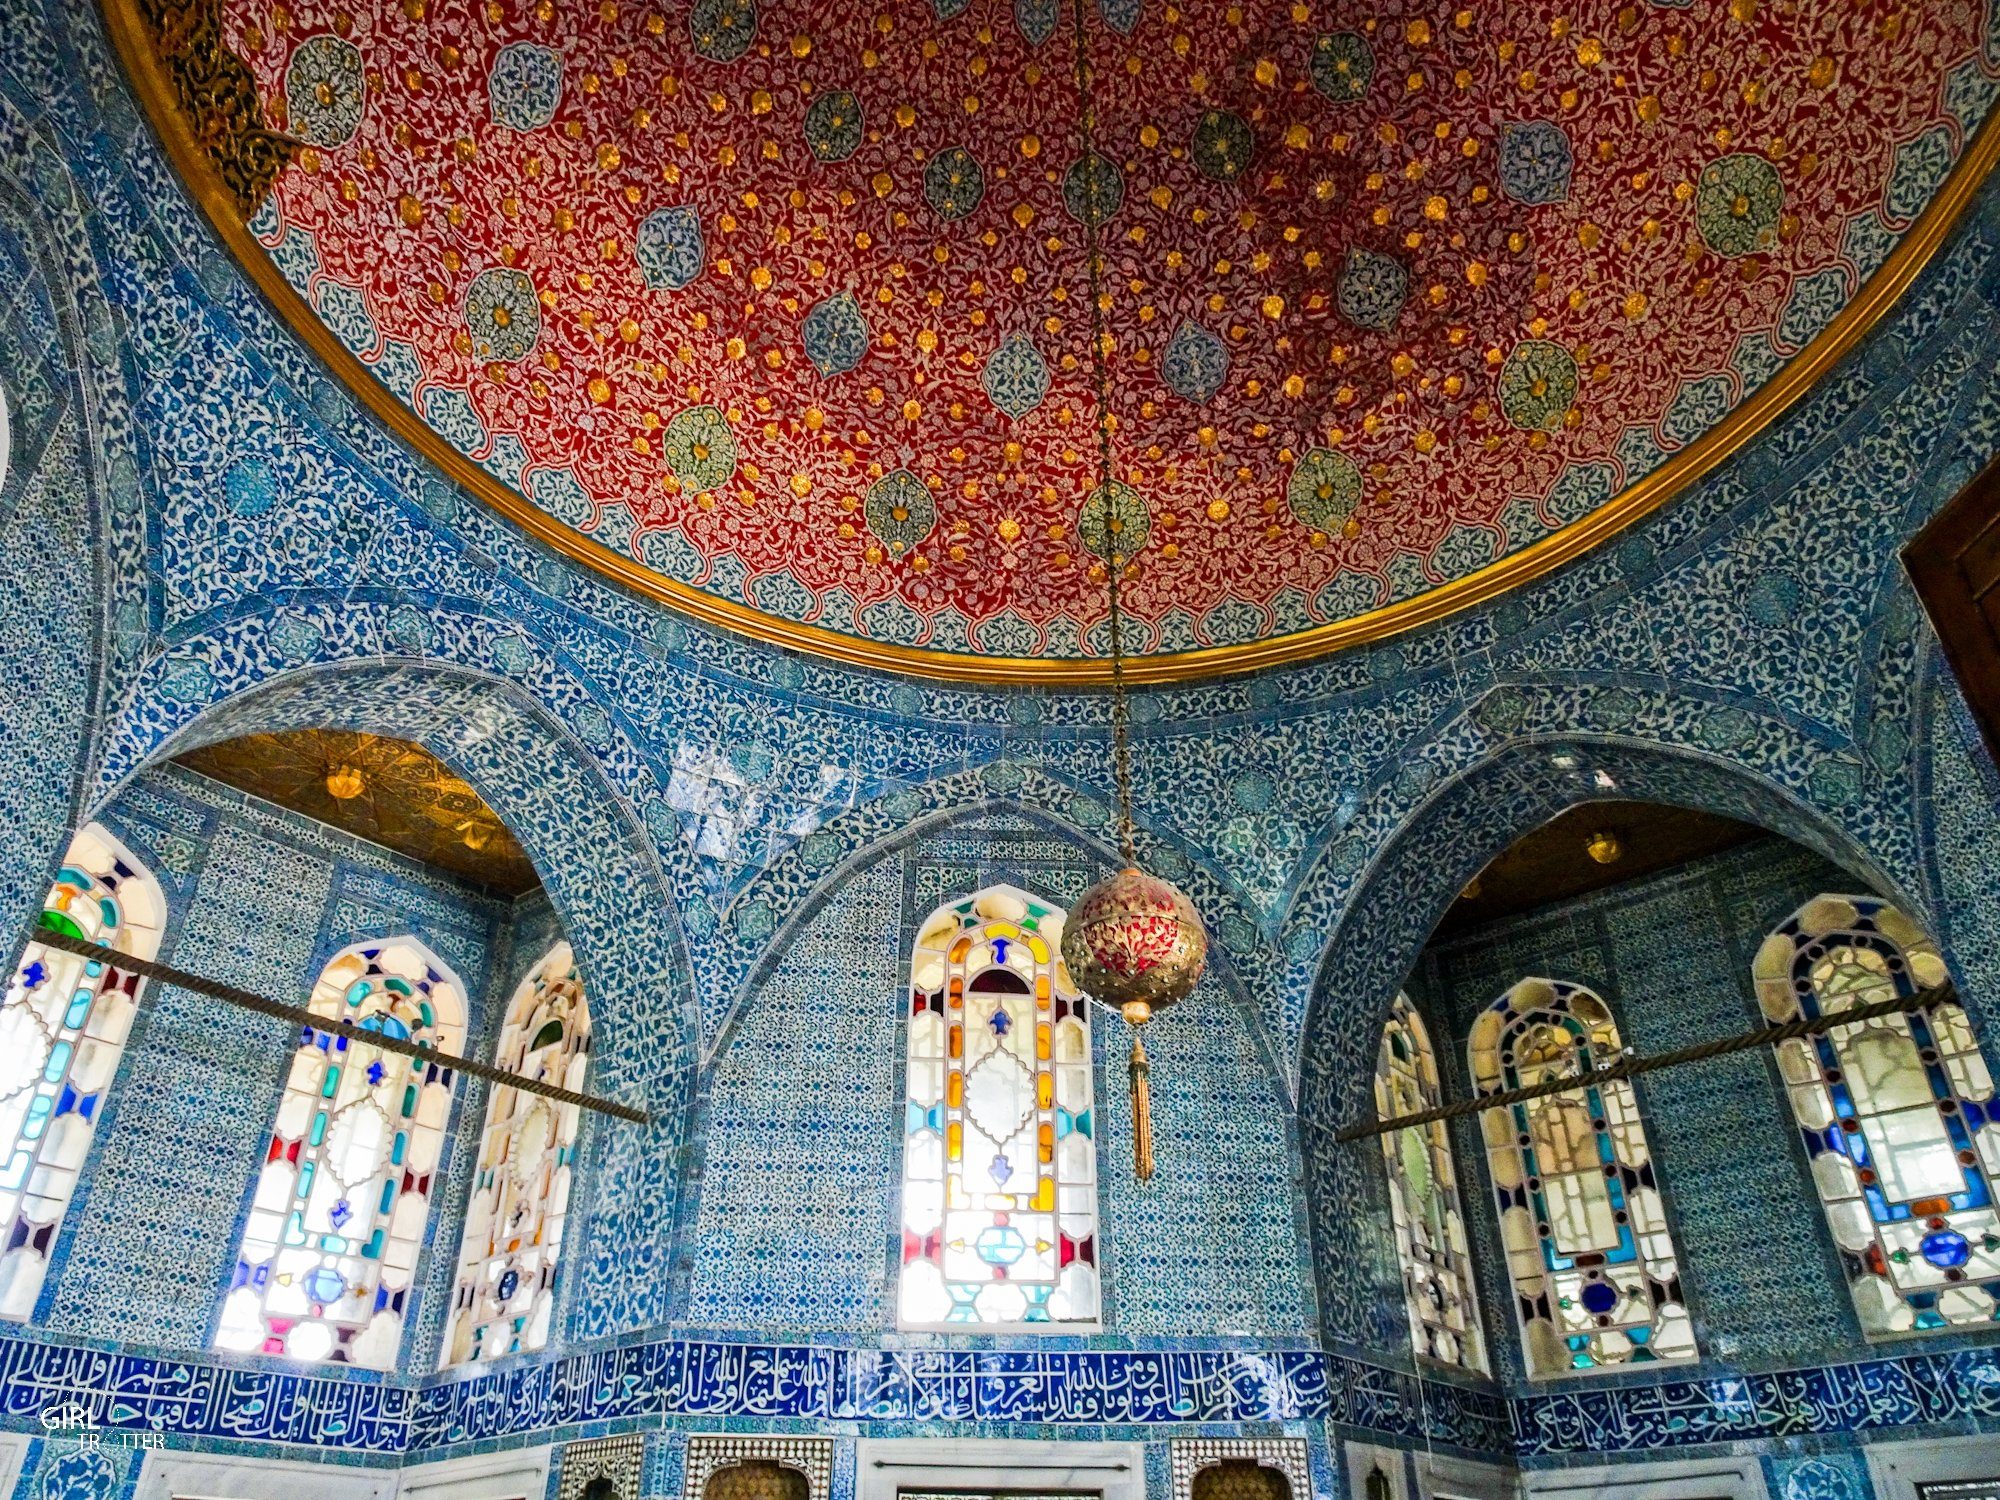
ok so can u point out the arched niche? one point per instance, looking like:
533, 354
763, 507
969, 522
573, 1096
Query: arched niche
1396, 904
605, 882
1240, 1469
758, 1468
872, 832
78, 584
789, 1061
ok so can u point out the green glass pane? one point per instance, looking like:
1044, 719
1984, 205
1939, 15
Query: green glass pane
55, 921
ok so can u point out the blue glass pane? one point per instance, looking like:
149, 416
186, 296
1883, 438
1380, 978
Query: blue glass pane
1946, 1249
323, 1284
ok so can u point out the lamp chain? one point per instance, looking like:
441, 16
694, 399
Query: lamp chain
1114, 562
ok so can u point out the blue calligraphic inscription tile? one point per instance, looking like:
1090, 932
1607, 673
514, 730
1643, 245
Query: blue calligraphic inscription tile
925, 1385
197, 1399
1385, 1400
1867, 1395
1975, 1376
1061, 1392
624, 1383
778, 1381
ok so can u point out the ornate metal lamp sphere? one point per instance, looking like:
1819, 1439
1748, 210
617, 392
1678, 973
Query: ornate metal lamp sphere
1134, 941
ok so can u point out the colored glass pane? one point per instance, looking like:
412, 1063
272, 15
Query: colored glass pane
999, 1153
1595, 1273
327, 1258
508, 1260
1895, 1114
1424, 1200
62, 1032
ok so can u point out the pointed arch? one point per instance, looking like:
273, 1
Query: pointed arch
504, 1297
999, 1149
328, 1256
797, 880
1424, 1200
516, 743
63, 1027
1596, 1276
1366, 929
1895, 1113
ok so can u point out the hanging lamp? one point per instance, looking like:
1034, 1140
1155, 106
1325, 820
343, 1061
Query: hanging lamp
1133, 940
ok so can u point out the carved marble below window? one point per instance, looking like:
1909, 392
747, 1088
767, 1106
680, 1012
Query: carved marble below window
1240, 1469
603, 1468
758, 1468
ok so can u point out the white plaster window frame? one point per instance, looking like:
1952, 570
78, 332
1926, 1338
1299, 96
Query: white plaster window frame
1361, 1459
1189, 1456
1897, 1469
1052, 1328
886, 1466
208, 1476
1673, 1479
13, 1458
1441, 1477
515, 1475
708, 1452
518, 1474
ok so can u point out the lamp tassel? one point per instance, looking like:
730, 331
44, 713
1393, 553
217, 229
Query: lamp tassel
1142, 1111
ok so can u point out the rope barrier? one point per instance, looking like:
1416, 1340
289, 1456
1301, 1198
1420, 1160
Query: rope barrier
298, 1015
1632, 1067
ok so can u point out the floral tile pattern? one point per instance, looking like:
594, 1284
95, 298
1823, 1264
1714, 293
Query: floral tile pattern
1475, 255
207, 535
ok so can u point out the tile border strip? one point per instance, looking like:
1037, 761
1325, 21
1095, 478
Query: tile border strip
196, 1397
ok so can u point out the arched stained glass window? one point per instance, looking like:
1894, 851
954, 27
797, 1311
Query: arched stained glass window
1596, 1279
1897, 1114
999, 1149
507, 1263
62, 1030
330, 1249
1423, 1198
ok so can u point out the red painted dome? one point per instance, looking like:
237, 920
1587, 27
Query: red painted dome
785, 304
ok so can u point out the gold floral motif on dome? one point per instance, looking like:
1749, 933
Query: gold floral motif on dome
1506, 272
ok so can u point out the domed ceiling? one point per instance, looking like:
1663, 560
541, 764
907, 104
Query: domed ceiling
781, 309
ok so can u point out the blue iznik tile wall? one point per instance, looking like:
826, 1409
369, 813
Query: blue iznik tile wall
804, 1131
797, 1228
261, 898
726, 830
48, 630
1671, 956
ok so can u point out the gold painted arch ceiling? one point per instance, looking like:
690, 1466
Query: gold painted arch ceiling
783, 304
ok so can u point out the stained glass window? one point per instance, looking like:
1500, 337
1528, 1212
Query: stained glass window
62, 1030
1596, 1279
327, 1258
1423, 1198
1897, 1114
507, 1263
999, 1149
